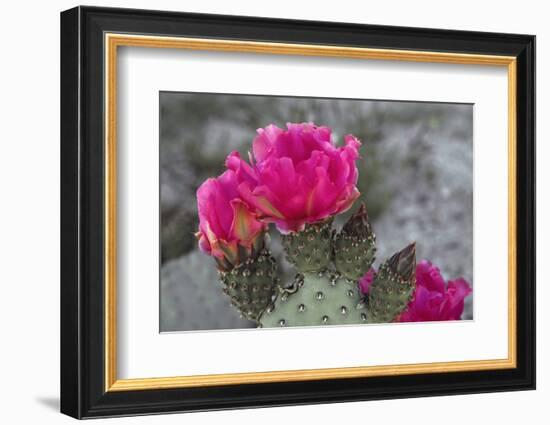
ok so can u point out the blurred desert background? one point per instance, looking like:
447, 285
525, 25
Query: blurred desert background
415, 176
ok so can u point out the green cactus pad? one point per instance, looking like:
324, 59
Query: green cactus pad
251, 285
393, 286
316, 299
310, 250
354, 246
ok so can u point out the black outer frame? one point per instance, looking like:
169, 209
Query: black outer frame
82, 219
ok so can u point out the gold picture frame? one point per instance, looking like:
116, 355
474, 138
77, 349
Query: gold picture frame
114, 41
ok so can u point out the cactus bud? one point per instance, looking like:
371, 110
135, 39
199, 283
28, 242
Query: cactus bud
354, 246
310, 249
393, 286
404, 263
251, 284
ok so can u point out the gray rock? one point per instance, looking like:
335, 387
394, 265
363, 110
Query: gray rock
191, 297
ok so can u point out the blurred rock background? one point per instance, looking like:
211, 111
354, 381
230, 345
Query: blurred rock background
415, 176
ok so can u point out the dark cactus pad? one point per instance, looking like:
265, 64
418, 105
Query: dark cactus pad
251, 285
393, 286
310, 250
354, 246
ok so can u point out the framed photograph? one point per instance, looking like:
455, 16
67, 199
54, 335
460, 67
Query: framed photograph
261, 212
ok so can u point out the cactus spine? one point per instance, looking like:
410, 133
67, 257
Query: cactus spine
325, 289
326, 292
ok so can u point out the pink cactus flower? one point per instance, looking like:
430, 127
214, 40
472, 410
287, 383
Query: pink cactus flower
298, 176
433, 300
226, 223
366, 281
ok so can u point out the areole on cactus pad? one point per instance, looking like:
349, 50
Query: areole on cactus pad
299, 180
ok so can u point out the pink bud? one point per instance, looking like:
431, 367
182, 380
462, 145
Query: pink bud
225, 221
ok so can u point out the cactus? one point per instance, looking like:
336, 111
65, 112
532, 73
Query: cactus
329, 295
325, 289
